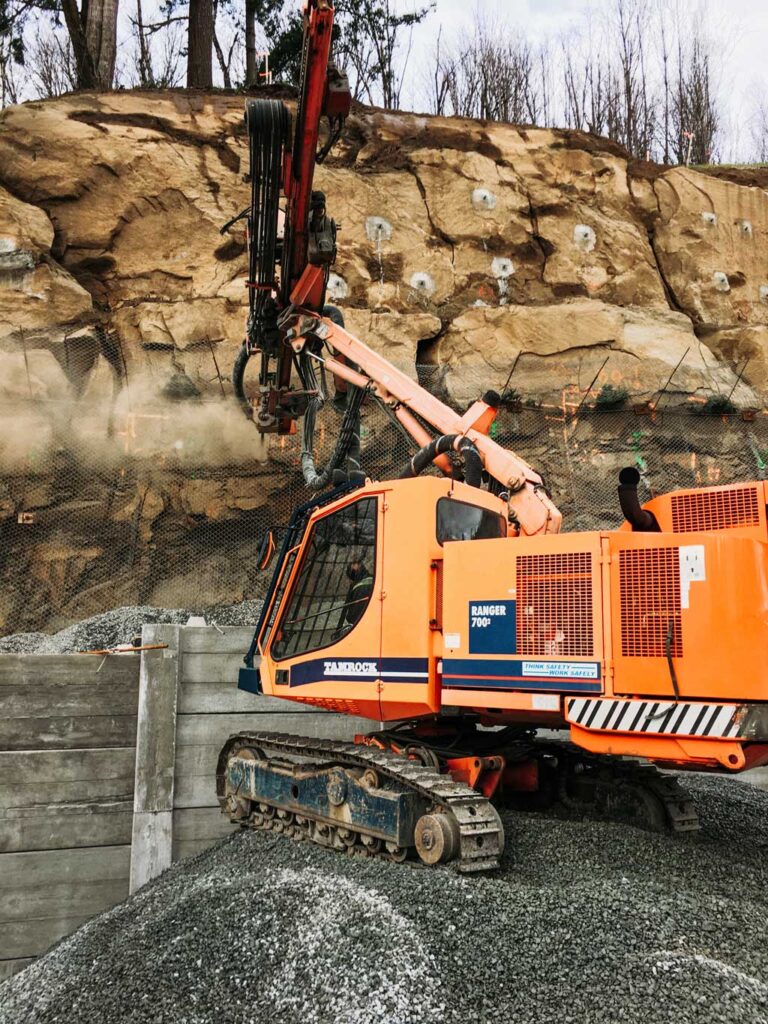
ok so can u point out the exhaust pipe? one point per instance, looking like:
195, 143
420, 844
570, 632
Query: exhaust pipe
641, 520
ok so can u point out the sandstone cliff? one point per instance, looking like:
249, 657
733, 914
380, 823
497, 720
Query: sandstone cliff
471, 249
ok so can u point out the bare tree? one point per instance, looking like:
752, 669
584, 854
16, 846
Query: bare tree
592, 78
586, 84
144, 62
158, 59
695, 116
665, 32
608, 83
9, 89
51, 67
494, 74
758, 128
227, 38
541, 89
438, 78
357, 57
373, 37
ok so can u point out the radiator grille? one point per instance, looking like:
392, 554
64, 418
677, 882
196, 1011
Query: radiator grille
554, 605
715, 510
650, 601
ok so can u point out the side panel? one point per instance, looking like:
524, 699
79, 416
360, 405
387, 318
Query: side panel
522, 623
697, 602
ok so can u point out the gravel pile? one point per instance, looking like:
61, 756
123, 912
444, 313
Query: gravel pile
120, 625
586, 922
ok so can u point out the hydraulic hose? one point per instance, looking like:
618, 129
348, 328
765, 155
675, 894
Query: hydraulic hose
238, 375
473, 464
268, 123
347, 448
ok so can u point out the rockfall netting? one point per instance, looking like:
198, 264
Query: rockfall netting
162, 501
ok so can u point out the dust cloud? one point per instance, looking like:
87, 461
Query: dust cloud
138, 421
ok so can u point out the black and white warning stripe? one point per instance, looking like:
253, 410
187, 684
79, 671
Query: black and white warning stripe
659, 717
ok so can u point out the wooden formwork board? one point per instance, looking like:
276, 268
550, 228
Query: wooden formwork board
56, 799
107, 772
67, 701
46, 894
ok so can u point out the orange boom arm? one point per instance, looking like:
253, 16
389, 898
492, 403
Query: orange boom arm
530, 506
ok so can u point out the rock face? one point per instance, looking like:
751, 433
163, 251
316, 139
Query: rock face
470, 249
111, 207
640, 350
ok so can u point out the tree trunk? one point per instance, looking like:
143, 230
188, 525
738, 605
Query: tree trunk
93, 32
251, 68
86, 74
224, 62
101, 39
200, 45
146, 75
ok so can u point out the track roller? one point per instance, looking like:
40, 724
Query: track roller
437, 838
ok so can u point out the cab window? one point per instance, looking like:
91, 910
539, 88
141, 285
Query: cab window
334, 582
458, 520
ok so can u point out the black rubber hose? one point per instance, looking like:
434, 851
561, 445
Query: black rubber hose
473, 464
344, 462
641, 520
268, 123
238, 375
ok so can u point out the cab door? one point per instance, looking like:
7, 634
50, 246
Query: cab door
325, 645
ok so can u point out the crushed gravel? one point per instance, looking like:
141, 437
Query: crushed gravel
585, 923
120, 625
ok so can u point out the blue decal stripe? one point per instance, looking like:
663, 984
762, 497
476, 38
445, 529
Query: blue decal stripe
514, 669
509, 683
400, 670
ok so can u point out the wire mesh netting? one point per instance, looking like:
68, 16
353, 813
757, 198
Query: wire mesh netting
143, 501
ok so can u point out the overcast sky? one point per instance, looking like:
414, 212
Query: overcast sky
741, 25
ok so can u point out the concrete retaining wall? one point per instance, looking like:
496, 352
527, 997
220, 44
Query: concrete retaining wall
107, 772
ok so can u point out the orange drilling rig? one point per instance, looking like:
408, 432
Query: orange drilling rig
450, 608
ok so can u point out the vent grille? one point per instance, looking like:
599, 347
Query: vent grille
336, 704
650, 601
715, 510
554, 605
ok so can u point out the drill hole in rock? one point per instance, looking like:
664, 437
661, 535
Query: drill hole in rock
337, 287
709, 218
502, 268
483, 199
422, 284
377, 229
720, 281
584, 237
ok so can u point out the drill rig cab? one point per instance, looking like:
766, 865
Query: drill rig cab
320, 600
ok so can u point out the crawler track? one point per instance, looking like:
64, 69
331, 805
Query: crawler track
618, 789
480, 829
